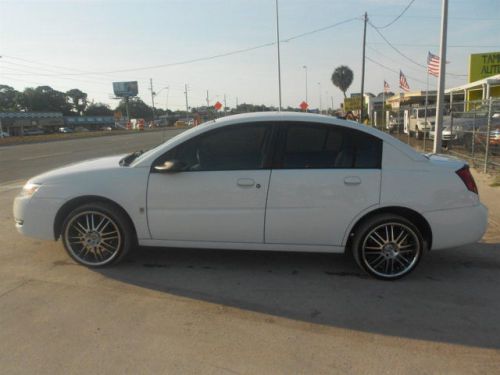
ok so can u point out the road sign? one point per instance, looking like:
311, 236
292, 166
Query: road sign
218, 106
352, 104
303, 106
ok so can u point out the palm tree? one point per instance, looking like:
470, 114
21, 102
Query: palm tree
342, 78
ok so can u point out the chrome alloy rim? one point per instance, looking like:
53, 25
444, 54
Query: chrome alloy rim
391, 250
93, 238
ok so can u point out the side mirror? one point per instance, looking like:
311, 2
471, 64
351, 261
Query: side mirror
171, 166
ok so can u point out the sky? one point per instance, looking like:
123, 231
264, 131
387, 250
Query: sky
88, 44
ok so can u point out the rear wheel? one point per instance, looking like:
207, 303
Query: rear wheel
97, 234
388, 246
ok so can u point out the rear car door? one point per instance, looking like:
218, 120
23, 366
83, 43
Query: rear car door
325, 176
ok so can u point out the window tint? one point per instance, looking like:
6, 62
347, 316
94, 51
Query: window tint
230, 148
318, 146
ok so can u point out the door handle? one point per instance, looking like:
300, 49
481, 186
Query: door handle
352, 180
245, 182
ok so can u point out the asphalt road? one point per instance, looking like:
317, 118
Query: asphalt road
222, 312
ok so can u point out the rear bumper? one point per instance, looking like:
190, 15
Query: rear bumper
458, 226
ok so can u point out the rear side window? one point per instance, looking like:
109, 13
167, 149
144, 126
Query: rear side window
311, 146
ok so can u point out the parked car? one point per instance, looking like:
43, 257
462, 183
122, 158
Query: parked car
265, 181
33, 131
4, 134
107, 128
421, 120
65, 130
469, 128
81, 129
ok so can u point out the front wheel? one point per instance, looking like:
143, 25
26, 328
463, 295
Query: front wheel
97, 234
388, 246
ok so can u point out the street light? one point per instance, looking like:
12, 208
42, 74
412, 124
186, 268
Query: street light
160, 90
305, 69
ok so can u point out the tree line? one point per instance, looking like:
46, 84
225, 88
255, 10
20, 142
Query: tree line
75, 102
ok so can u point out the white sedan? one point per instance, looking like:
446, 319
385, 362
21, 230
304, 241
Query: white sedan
262, 181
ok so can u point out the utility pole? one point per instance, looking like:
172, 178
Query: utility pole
187, 104
126, 109
152, 97
279, 57
442, 76
208, 100
320, 99
361, 113
236, 102
225, 104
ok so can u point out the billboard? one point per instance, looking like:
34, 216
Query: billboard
125, 89
483, 65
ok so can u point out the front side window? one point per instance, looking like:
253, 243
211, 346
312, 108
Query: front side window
241, 147
311, 146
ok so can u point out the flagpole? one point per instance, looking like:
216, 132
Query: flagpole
426, 103
442, 77
383, 107
279, 56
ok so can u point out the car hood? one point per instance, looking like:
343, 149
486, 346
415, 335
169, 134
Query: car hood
92, 165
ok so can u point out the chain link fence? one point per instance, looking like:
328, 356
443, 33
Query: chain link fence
470, 131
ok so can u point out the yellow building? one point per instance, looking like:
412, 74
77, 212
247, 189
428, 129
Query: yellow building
477, 91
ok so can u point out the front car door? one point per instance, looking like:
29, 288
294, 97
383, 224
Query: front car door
220, 196
325, 176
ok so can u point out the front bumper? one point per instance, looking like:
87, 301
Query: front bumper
34, 217
457, 226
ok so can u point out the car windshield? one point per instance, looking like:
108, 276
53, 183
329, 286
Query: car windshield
430, 112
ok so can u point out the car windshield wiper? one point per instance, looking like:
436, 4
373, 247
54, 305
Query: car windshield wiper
125, 162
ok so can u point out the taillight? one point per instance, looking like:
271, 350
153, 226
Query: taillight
466, 177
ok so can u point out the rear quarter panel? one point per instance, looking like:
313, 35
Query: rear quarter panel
421, 185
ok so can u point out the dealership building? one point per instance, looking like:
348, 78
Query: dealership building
18, 123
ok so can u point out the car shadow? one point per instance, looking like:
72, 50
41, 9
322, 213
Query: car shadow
452, 297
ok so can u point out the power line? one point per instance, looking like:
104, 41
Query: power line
398, 17
403, 55
437, 45
212, 57
393, 70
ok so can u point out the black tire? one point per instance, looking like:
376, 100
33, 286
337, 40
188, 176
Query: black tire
396, 251
97, 234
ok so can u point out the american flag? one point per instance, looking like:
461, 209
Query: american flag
403, 83
433, 64
386, 87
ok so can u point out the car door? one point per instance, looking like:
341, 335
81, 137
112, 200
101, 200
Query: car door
325, 176
220, 195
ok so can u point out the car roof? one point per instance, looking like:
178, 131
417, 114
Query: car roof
274, 117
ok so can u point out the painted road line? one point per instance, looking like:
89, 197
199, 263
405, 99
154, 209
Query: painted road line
44, 156
12, 185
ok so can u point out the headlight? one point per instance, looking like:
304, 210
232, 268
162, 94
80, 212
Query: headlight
29, 189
